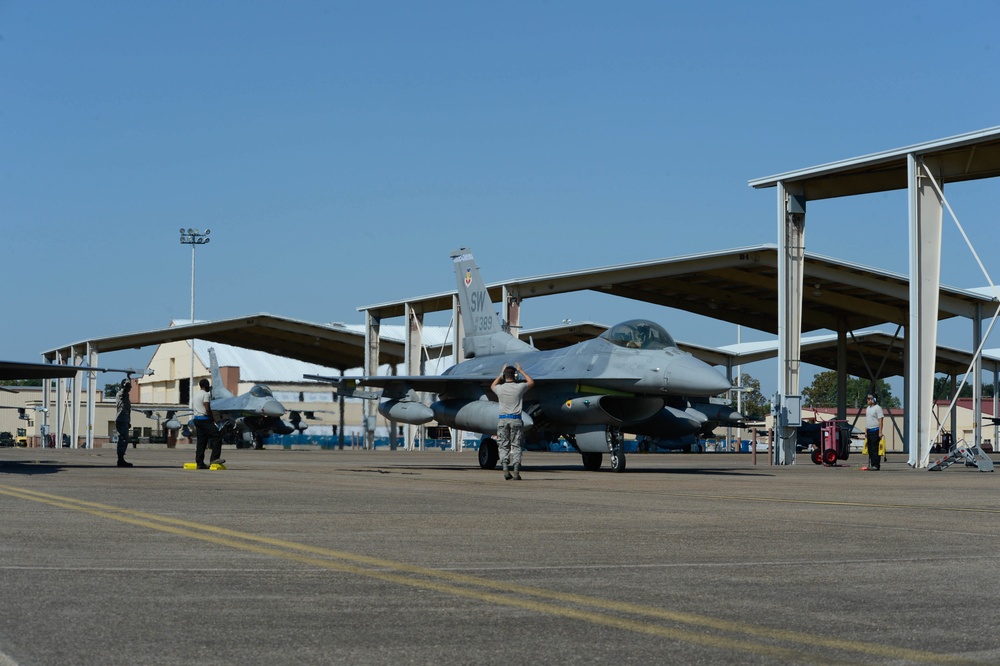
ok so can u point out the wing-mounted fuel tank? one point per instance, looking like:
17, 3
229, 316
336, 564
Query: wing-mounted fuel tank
602, 409
473, 415
406, 411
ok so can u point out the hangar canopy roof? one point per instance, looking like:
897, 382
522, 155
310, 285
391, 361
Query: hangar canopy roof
739, 286
958, 158
875, 351
329, 345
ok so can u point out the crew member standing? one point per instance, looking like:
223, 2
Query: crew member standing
873, 431
123, 421
204, 425
510, 428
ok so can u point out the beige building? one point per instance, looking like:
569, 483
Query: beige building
29, 398
337, 421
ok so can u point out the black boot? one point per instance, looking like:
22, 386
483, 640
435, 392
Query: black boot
122, 462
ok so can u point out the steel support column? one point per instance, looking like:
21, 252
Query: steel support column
341, 423
458, 353
996, 403
413, 347
791, 261
373, 326
511, 312
91, 395
75, 394
907, 449
925, 217
45, 427
977, 377
60, 397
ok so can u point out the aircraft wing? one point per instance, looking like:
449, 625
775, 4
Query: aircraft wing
18, 370
400, 385
395, 387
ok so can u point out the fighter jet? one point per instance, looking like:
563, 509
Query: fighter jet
245, 420
249, 418
631, 378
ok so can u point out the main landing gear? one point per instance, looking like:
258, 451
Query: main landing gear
614, 436
489, 453
592, 460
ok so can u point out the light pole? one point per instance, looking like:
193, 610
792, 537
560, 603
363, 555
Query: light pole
193, 237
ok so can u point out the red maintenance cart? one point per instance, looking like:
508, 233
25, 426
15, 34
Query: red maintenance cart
834, 443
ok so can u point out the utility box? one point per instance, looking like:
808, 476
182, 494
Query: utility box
791, 411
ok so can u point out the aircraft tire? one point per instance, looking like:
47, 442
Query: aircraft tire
618, 462
592, 461
489, 453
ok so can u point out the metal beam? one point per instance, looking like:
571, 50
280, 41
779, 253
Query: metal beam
926, 212
414, 362
791, 256
372, 335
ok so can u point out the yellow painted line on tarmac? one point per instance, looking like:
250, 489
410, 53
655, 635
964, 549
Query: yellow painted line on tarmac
415, 576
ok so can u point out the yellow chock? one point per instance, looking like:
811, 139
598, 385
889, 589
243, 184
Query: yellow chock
217, 466
190, 465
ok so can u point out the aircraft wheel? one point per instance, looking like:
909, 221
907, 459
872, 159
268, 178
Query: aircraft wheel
617, 461
830, 457
817, 456
489, 454
592, 461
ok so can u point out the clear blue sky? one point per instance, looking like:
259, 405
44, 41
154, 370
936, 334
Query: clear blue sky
339, 150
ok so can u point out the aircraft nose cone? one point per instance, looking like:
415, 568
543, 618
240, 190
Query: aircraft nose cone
272, 408
688, 375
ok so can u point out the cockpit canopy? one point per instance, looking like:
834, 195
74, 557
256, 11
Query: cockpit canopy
261, 391
639, 334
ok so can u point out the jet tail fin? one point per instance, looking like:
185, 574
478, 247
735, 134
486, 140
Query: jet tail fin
219, 389
484, 335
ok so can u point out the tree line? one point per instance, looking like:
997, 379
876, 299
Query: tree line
822, 392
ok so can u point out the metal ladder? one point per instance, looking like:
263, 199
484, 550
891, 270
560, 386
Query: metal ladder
973, 456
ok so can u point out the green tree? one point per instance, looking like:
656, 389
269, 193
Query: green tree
111, 390
823, 392
20, 382
754, 405
942, 389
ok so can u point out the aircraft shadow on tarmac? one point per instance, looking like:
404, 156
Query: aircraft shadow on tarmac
33, 467
703, 471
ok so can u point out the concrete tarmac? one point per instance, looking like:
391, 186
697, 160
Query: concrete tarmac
356, 557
